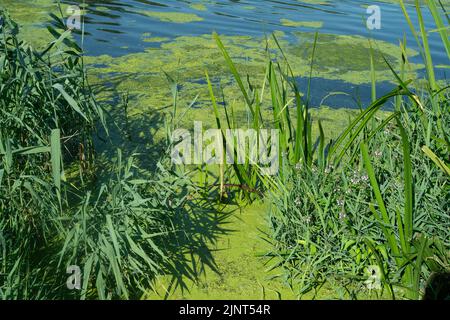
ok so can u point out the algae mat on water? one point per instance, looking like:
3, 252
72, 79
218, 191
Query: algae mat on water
185, 59
242, 272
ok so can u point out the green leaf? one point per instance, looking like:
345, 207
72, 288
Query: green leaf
70, 100
430, 154
56, 157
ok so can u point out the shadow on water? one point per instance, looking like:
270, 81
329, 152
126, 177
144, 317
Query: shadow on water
191, 253
200, 225
135, 134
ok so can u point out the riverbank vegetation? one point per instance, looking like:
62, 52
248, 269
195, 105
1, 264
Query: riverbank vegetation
363, 212
62, 206
366, 213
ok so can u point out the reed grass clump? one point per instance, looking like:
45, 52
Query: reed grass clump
327, 229
122, 226
41, 123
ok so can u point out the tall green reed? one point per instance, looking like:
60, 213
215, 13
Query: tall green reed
325, 237
124, 227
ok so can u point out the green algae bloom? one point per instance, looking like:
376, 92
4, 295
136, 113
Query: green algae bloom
306, 24
173, 17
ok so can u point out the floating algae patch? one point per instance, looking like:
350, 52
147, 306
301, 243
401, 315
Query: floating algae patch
306, 24
28, 12
156, 39
199, 7
173, 17
347, 58
102, 9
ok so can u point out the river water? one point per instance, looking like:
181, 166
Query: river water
117, 28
